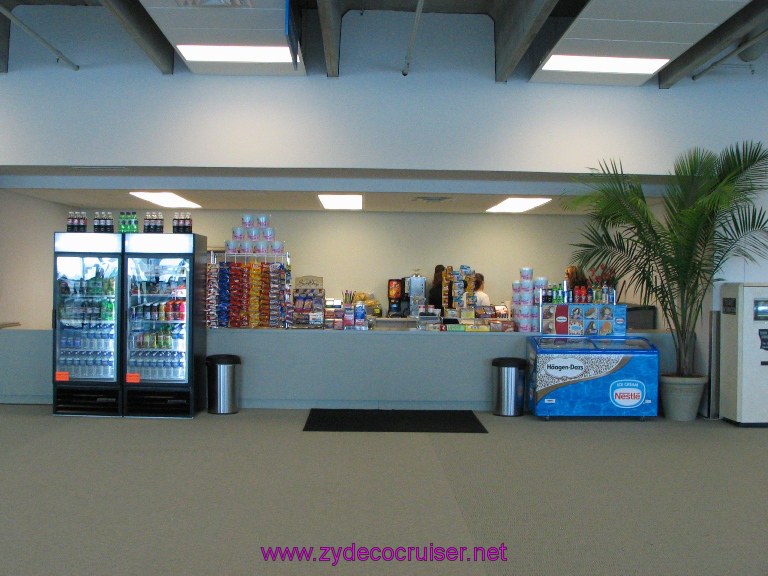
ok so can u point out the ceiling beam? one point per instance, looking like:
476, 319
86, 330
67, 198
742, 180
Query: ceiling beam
730, 32
144, 31
330, 13
5, 43
516, 25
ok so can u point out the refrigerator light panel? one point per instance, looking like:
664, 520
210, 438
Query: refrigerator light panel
90, 242
147, 243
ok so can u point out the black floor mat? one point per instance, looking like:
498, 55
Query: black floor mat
334, 420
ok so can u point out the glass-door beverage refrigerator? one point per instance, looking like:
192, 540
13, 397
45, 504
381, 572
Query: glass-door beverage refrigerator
86, 324
164, 330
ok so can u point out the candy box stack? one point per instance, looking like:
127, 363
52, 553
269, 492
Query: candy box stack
309, 302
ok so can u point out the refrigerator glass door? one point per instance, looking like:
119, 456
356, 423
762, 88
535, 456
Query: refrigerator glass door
158, 323
86, 314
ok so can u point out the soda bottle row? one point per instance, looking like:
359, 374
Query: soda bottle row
103, 222
182, 223
77, 222
86, 364
165, 311
96, 337
160, 365
129, 222
154, 222
87, 310
162, 339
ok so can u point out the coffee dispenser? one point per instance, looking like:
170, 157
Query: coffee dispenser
395, 293
416, 287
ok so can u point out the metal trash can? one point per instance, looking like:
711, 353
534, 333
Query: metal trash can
222, 384
508, 386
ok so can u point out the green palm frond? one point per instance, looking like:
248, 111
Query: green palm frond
707, 216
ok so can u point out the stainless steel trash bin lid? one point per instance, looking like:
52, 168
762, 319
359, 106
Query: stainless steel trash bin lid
510, 362
218, 359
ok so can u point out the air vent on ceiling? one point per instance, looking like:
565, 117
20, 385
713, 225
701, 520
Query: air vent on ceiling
431, 199
216, 3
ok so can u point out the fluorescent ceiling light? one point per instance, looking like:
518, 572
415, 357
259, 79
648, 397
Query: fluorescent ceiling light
604, 64
261, 54
522, 204
341, 201
166, 199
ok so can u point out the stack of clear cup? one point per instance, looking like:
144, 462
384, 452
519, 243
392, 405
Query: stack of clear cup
525, 312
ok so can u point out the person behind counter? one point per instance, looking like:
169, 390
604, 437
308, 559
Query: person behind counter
435, 296
482, 298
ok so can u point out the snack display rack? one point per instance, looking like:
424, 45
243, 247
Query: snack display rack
249, 291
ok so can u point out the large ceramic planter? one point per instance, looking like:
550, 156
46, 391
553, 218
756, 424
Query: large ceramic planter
681, 396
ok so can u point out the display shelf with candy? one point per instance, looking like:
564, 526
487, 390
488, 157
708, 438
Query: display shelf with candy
211, 295
249, 295
457, 289
309, 307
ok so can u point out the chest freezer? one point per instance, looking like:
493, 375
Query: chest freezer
611, 377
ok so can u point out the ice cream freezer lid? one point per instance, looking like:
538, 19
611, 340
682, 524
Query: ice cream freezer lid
563, 343
619, 343
615, 343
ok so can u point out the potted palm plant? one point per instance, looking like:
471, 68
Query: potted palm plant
672, 255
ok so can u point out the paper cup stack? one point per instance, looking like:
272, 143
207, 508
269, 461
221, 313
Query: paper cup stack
254, 235
525, 306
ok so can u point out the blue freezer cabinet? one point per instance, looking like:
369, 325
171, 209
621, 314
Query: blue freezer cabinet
612, 377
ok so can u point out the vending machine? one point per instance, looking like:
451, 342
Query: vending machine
164, 332
744, 353
86, 324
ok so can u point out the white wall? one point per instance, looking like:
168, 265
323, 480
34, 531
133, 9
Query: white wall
448, 113
360, 251
26, 258
351, 251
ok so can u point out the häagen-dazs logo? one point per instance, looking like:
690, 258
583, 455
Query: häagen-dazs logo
627, 393
568, 367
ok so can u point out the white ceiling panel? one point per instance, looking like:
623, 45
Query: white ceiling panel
701, 11
557, 77
634, 30
253, 23
257, 4
241, 69
224, 18
231, 38
621, 49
